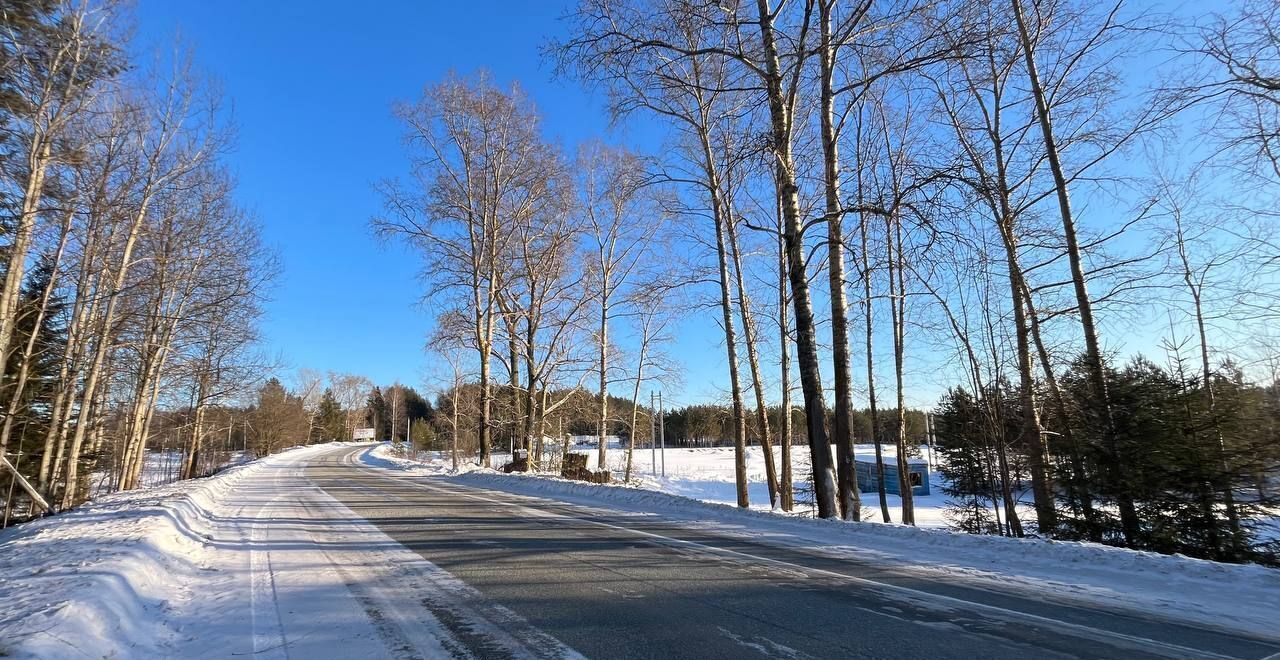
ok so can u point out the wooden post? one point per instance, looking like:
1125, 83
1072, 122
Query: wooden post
26, 485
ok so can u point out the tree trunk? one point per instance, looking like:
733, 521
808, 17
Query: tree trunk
602, 419
1223, 480
868, 316
897, 309
1079, 487
806, 334
635, 414
719, 212
842, 427
28, 349
103, 345
453, 439
484, 327
1129, 523
535, 411
1031, 435
753, 360
191, 460
784, 351
38, 163
517, 401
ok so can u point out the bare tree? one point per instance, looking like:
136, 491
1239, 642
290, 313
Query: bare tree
168, 137
1084, 304
985, 140
749, 330
651, 322
478, 164
620, 222
450, 347
858, 46
1238, 76
54, 59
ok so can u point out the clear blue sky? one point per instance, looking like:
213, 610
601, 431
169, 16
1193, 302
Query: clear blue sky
312, 84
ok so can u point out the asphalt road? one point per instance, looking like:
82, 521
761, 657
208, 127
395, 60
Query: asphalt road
612, 587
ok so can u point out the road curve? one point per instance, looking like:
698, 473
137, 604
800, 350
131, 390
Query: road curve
612, 587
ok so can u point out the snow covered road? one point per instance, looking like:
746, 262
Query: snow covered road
316, 554
326, 583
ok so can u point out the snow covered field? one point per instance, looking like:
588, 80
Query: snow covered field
706, 474
1239, 597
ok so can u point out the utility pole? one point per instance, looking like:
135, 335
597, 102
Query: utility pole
653, 435
662, 433
928, 436
564, 442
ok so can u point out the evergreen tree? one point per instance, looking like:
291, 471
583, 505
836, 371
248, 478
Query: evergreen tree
42, 368
416, 406
331, 421
1177, 462
279, 421
377, 414
965, 460
424, 436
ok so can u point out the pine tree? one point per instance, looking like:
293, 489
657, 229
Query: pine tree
32, 419
331, 421
965, 464
416, 407
279, 421
377, 414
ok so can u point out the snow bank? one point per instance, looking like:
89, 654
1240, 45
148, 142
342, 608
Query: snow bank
111, 574
1239, 597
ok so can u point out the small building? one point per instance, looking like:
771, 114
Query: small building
917, 471
612, 441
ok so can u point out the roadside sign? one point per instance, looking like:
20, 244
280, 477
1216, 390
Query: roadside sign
362, 434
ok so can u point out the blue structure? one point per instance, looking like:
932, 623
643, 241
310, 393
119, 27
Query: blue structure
917, 469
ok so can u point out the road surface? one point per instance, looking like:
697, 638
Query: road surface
488, 574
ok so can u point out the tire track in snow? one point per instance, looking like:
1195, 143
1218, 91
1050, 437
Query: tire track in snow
269, 639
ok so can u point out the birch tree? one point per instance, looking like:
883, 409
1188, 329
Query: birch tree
619, 223
168, 134
55, 56
478, 164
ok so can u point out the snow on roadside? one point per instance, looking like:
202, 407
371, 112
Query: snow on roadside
1239, 597
706, 474
111, 574
259, 560
159, 467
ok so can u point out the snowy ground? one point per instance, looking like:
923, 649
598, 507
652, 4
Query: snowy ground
223, 566
1240, 597
706, 474
159, 467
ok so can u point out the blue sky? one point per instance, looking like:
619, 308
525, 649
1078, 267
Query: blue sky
312, 84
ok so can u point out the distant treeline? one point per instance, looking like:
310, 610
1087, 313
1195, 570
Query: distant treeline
699, 425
